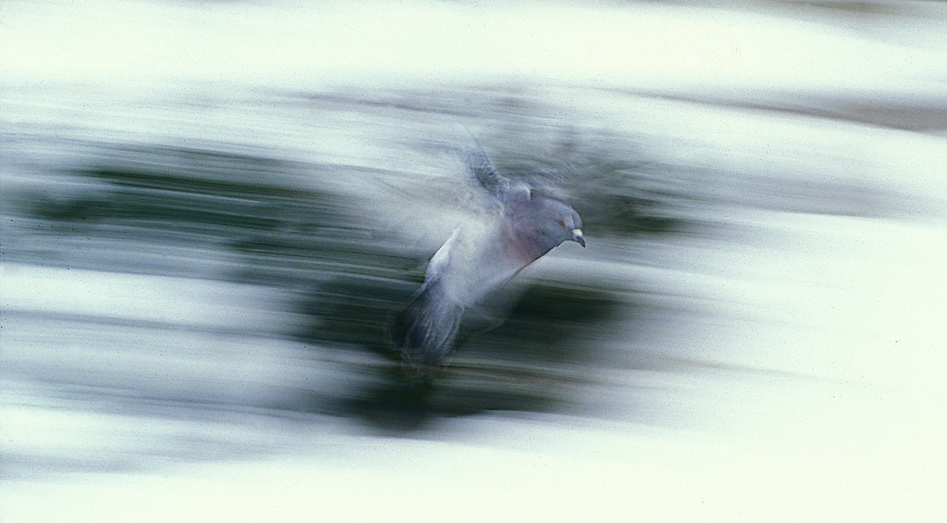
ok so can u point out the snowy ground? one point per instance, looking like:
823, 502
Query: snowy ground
783, 365
817, 396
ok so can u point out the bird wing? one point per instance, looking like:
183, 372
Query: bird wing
479, 164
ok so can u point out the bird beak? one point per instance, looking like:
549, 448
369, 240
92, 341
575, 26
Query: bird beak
577, 237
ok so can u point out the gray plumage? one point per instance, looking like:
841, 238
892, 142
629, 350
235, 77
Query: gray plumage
483, 170
519, 227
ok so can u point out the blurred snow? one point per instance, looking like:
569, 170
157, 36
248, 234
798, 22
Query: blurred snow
286, 45
824, 401
803, 348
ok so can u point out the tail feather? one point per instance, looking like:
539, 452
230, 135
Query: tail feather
425, 331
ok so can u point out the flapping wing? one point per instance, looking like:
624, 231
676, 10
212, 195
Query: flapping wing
486, 173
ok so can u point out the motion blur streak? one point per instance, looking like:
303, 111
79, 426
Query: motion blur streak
211, 211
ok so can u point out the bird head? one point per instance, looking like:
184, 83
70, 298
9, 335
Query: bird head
558, 222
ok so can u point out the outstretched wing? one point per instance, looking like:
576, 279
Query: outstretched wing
486, 173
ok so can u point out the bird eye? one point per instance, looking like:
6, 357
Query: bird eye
562, 223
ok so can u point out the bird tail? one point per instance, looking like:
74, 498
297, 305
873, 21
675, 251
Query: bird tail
425, 330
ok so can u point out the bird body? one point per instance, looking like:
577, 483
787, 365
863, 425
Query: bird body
517, 227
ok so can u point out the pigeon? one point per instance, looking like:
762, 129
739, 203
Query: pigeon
518, 227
